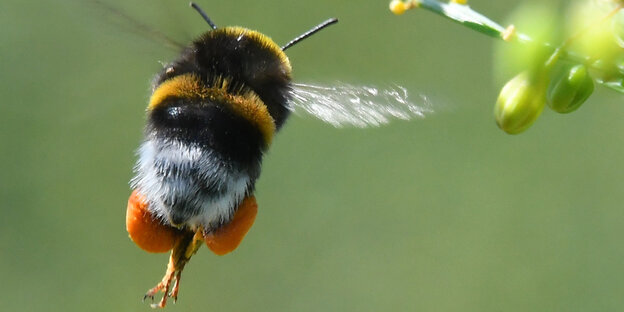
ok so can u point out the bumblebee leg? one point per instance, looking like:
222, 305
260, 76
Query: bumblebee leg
176, 287
228, 237
182, 252
163, 285
190, 250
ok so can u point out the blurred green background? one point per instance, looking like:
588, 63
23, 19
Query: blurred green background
447, 213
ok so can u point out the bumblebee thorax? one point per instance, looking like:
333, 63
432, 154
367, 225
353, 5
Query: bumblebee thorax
247, 59
243, 55
242, 44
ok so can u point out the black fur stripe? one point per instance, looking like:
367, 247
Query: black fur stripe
208, 124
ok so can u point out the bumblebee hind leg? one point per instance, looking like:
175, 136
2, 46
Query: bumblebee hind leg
182, 252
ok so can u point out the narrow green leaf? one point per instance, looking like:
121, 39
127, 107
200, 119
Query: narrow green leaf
617, 85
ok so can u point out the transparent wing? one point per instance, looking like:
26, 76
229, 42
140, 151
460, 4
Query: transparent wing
360, 106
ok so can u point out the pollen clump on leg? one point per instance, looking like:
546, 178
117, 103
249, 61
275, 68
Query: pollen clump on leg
144, 230
227, 238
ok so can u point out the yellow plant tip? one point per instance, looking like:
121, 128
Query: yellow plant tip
460, 1
509, 33
398, 7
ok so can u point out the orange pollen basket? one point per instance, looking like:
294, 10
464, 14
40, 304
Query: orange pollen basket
151, 235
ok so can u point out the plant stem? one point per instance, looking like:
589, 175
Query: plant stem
466, 16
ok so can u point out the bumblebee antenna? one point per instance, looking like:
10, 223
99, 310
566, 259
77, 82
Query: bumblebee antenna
310, 32
203, 14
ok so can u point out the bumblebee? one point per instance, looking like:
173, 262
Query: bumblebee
212, 114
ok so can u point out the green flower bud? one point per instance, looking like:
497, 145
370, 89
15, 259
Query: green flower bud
569, 88
519, 104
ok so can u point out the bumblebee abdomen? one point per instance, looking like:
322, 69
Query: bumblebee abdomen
203, 149
188, 186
